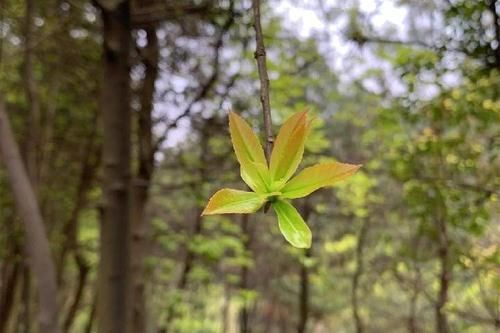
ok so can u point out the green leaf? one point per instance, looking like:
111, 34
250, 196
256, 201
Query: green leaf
256, 176
229, 201
249, 153
289, 147
291, 225
313, 178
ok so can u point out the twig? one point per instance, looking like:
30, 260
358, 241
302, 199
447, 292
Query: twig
208, 85
260, 55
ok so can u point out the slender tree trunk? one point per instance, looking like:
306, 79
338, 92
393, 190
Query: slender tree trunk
10, 275
358, 321
10, 278
141, 184
91, 161
37, 244
90, 165
412, 319
304, 280
25, 314
83, 270
93, 309
33, 133
304, 295
190, 255
444, 277
114, 276
413, 324
244, 282
226, 306
32, 141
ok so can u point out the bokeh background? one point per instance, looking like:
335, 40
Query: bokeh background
408, 88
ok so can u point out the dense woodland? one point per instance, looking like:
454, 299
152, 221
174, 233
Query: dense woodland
114, 135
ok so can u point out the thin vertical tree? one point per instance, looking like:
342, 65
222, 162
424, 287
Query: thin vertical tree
113, 300
37, 243
142, 181
304, 284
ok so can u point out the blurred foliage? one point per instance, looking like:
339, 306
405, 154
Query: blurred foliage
422, 114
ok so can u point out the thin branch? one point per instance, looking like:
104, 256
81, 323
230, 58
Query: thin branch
473, 317
208, 85
156, 12
496, 23
260, 56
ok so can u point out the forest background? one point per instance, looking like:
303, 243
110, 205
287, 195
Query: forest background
119, 111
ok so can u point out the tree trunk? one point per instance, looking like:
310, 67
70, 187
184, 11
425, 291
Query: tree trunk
31, 144
37, 243
114, 277
10, 278
90, 164
83, 270
413, 322
93, 309
226, 306
444, 277
33, 124
24, 320
412, 318
304, 295
90, 161
244, 283
358, 321
140, 225
304, 280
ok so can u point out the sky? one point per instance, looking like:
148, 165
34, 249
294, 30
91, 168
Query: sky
304, 18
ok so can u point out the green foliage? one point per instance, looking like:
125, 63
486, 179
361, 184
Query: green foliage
272, 184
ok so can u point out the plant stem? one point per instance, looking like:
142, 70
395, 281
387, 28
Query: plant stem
260, 56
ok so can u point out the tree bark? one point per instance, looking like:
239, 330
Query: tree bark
10, 278
189, 258
90, 164
93, 309
33, 126
225, 309
260, 56
304, 295
114, 276
304, 280
412, 318
37, 243
91, 161
83, 270
358, 321
244, 283
24, 321
141, 184
444, 277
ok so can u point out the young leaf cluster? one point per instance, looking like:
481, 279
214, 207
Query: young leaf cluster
274, 182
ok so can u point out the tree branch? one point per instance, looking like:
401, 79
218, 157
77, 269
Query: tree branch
496, 24
208, 85
159, 11
260, 56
